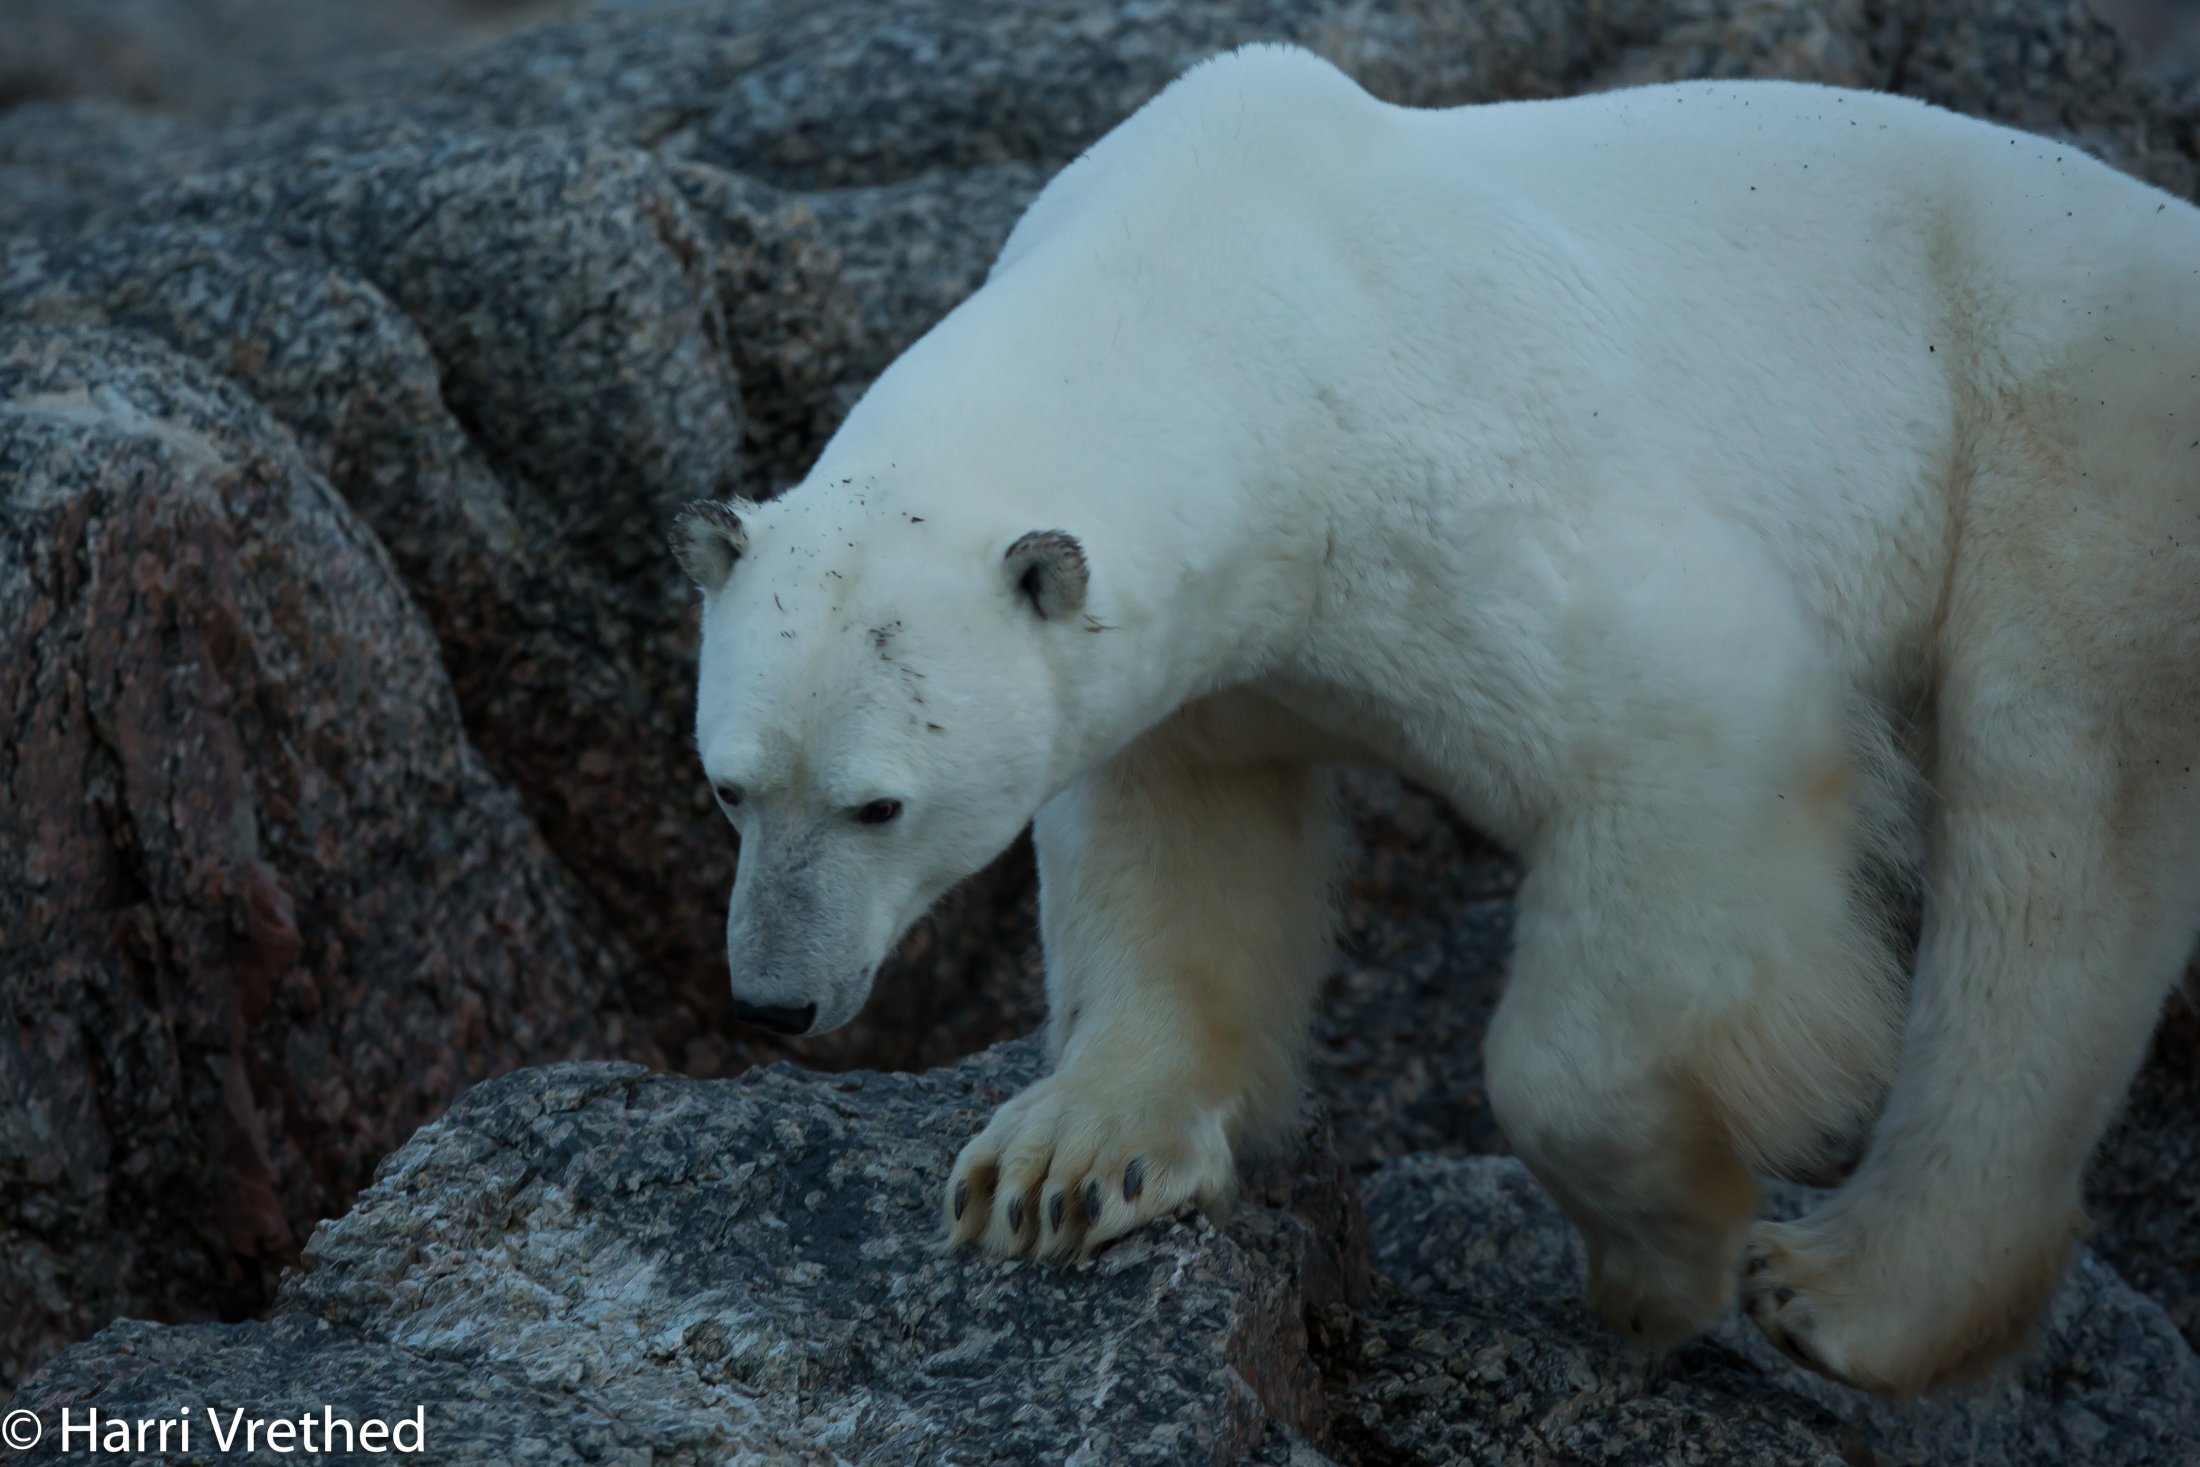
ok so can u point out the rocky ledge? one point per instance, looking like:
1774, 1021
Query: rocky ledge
593, 1263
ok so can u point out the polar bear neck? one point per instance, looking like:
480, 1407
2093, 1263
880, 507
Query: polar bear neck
1253, 429
989, 429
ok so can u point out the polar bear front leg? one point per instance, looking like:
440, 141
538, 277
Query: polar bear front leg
1186, 909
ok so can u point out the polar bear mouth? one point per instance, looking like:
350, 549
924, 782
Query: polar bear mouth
779, 1018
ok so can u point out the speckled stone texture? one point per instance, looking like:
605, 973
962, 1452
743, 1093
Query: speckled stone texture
1476, 1350
2145, 1188
593, 1263
203, 56
501, 311
516, 341
262, 903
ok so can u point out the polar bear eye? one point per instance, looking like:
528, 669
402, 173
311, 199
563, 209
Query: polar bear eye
878, 812
728, 795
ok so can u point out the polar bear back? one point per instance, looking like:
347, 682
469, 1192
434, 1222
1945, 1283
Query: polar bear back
1791, 305
1702, 206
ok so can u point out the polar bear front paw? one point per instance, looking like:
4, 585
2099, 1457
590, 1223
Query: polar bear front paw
1068, 1166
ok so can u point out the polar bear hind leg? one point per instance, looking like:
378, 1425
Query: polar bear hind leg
1702, 988
2063, 868
2053, 931
2059, 910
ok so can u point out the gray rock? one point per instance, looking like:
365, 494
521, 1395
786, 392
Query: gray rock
508, 349
1479, 1350
2144, 1191
592, 1263
265, 908
1424, 941
523, 504
205, 56
506, 340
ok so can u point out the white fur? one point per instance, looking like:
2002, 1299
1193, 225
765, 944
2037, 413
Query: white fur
1683, 481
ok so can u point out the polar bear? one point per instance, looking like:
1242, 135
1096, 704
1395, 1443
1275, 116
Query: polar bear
1734, 496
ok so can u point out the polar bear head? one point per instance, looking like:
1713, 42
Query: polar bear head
883, 704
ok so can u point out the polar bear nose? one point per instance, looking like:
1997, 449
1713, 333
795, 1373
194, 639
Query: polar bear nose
778, 1019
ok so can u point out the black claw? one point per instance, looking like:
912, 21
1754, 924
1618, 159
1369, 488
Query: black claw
1782, 1296
1092, 1201
1015, 1214
1634, 1322
1795, 1351
1054, 1212
962, 1199
1134, 1179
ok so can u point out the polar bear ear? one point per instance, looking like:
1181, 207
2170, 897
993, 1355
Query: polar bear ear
708, 538
1047, 569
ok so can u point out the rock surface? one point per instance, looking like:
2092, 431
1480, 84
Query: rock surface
258, 888
206, 56
2144, 1193
493, 315
1477, 1350
503, 332
1425, 934
592, 1263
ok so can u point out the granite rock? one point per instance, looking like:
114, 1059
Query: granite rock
265, 909
1477, 1348
516, 346
2144, 1190
593, 1263
505, 353
205, 56
1424, 942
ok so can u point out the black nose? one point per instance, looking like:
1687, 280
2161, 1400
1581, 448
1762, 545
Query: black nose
775, 1018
